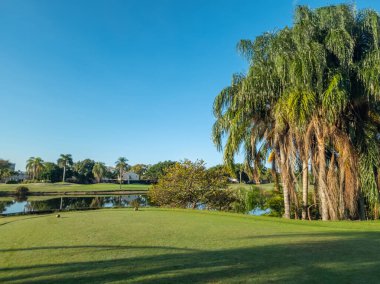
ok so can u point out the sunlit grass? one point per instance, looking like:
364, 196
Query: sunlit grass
67, 187
184, 246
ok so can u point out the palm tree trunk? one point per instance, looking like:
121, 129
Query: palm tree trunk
322, 180
342, 214
64, 173
285, 182
240, 177
305, 188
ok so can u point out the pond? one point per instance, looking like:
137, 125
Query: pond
34, 204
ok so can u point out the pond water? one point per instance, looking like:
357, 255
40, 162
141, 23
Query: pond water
44, 204
69, 203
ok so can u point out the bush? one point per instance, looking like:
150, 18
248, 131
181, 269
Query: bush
250, 199
135, 204
219, 199
189, 185
22, 190
12, 182
276, 205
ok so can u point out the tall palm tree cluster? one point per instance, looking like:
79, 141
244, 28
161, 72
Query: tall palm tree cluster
310, 105
36, 167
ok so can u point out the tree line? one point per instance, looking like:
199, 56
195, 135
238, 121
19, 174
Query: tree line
84, 171
309, 106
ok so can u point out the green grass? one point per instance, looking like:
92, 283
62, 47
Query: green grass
184, 246
70, 187
264, 186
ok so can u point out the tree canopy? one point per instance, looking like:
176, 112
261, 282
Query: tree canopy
310, 102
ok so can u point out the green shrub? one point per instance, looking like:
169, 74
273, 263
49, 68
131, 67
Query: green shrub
12, 182
249, 199
276, 205
219, 199
22, 190
189, 185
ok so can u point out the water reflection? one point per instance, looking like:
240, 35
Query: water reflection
69, 203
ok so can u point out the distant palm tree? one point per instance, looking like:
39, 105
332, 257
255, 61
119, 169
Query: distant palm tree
99, 170
64, 161
34, 167
121, 166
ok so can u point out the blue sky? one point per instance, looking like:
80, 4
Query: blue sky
104, 79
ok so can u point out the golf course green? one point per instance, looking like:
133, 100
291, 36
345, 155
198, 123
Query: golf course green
185, 246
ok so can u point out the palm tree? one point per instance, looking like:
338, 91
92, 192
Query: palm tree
34, 167
121, 166
64, 161
99, 171
312, 98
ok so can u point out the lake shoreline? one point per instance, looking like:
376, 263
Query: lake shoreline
59, 193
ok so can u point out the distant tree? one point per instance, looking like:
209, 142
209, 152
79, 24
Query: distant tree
83, 171
4, 164
140, 169
64, 161
51, 172
187, 184
121, 167
221, 168
5, 169
99, 170
34, 167
155, 171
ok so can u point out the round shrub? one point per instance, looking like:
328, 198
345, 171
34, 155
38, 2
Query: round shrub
22, 190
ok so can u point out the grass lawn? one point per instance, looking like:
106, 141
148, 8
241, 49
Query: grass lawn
264, 186
184, 246
67, 187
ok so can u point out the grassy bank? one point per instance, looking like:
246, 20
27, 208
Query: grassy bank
71, 187
264, 186
183, 246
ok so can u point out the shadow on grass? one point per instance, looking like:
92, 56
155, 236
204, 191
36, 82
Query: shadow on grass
24, 219
343, 257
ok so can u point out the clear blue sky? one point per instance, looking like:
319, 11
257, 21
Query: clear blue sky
104, 79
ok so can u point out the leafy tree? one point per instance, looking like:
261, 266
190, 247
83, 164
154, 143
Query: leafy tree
83, 171
187, 184
34, 167
64, 161
223, 169
155, 171
121, 167
99, 170
51, 172
5, 169
140, 169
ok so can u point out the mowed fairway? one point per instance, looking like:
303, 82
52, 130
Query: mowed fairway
184, 246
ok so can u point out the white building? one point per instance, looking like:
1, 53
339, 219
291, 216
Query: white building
129, 176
